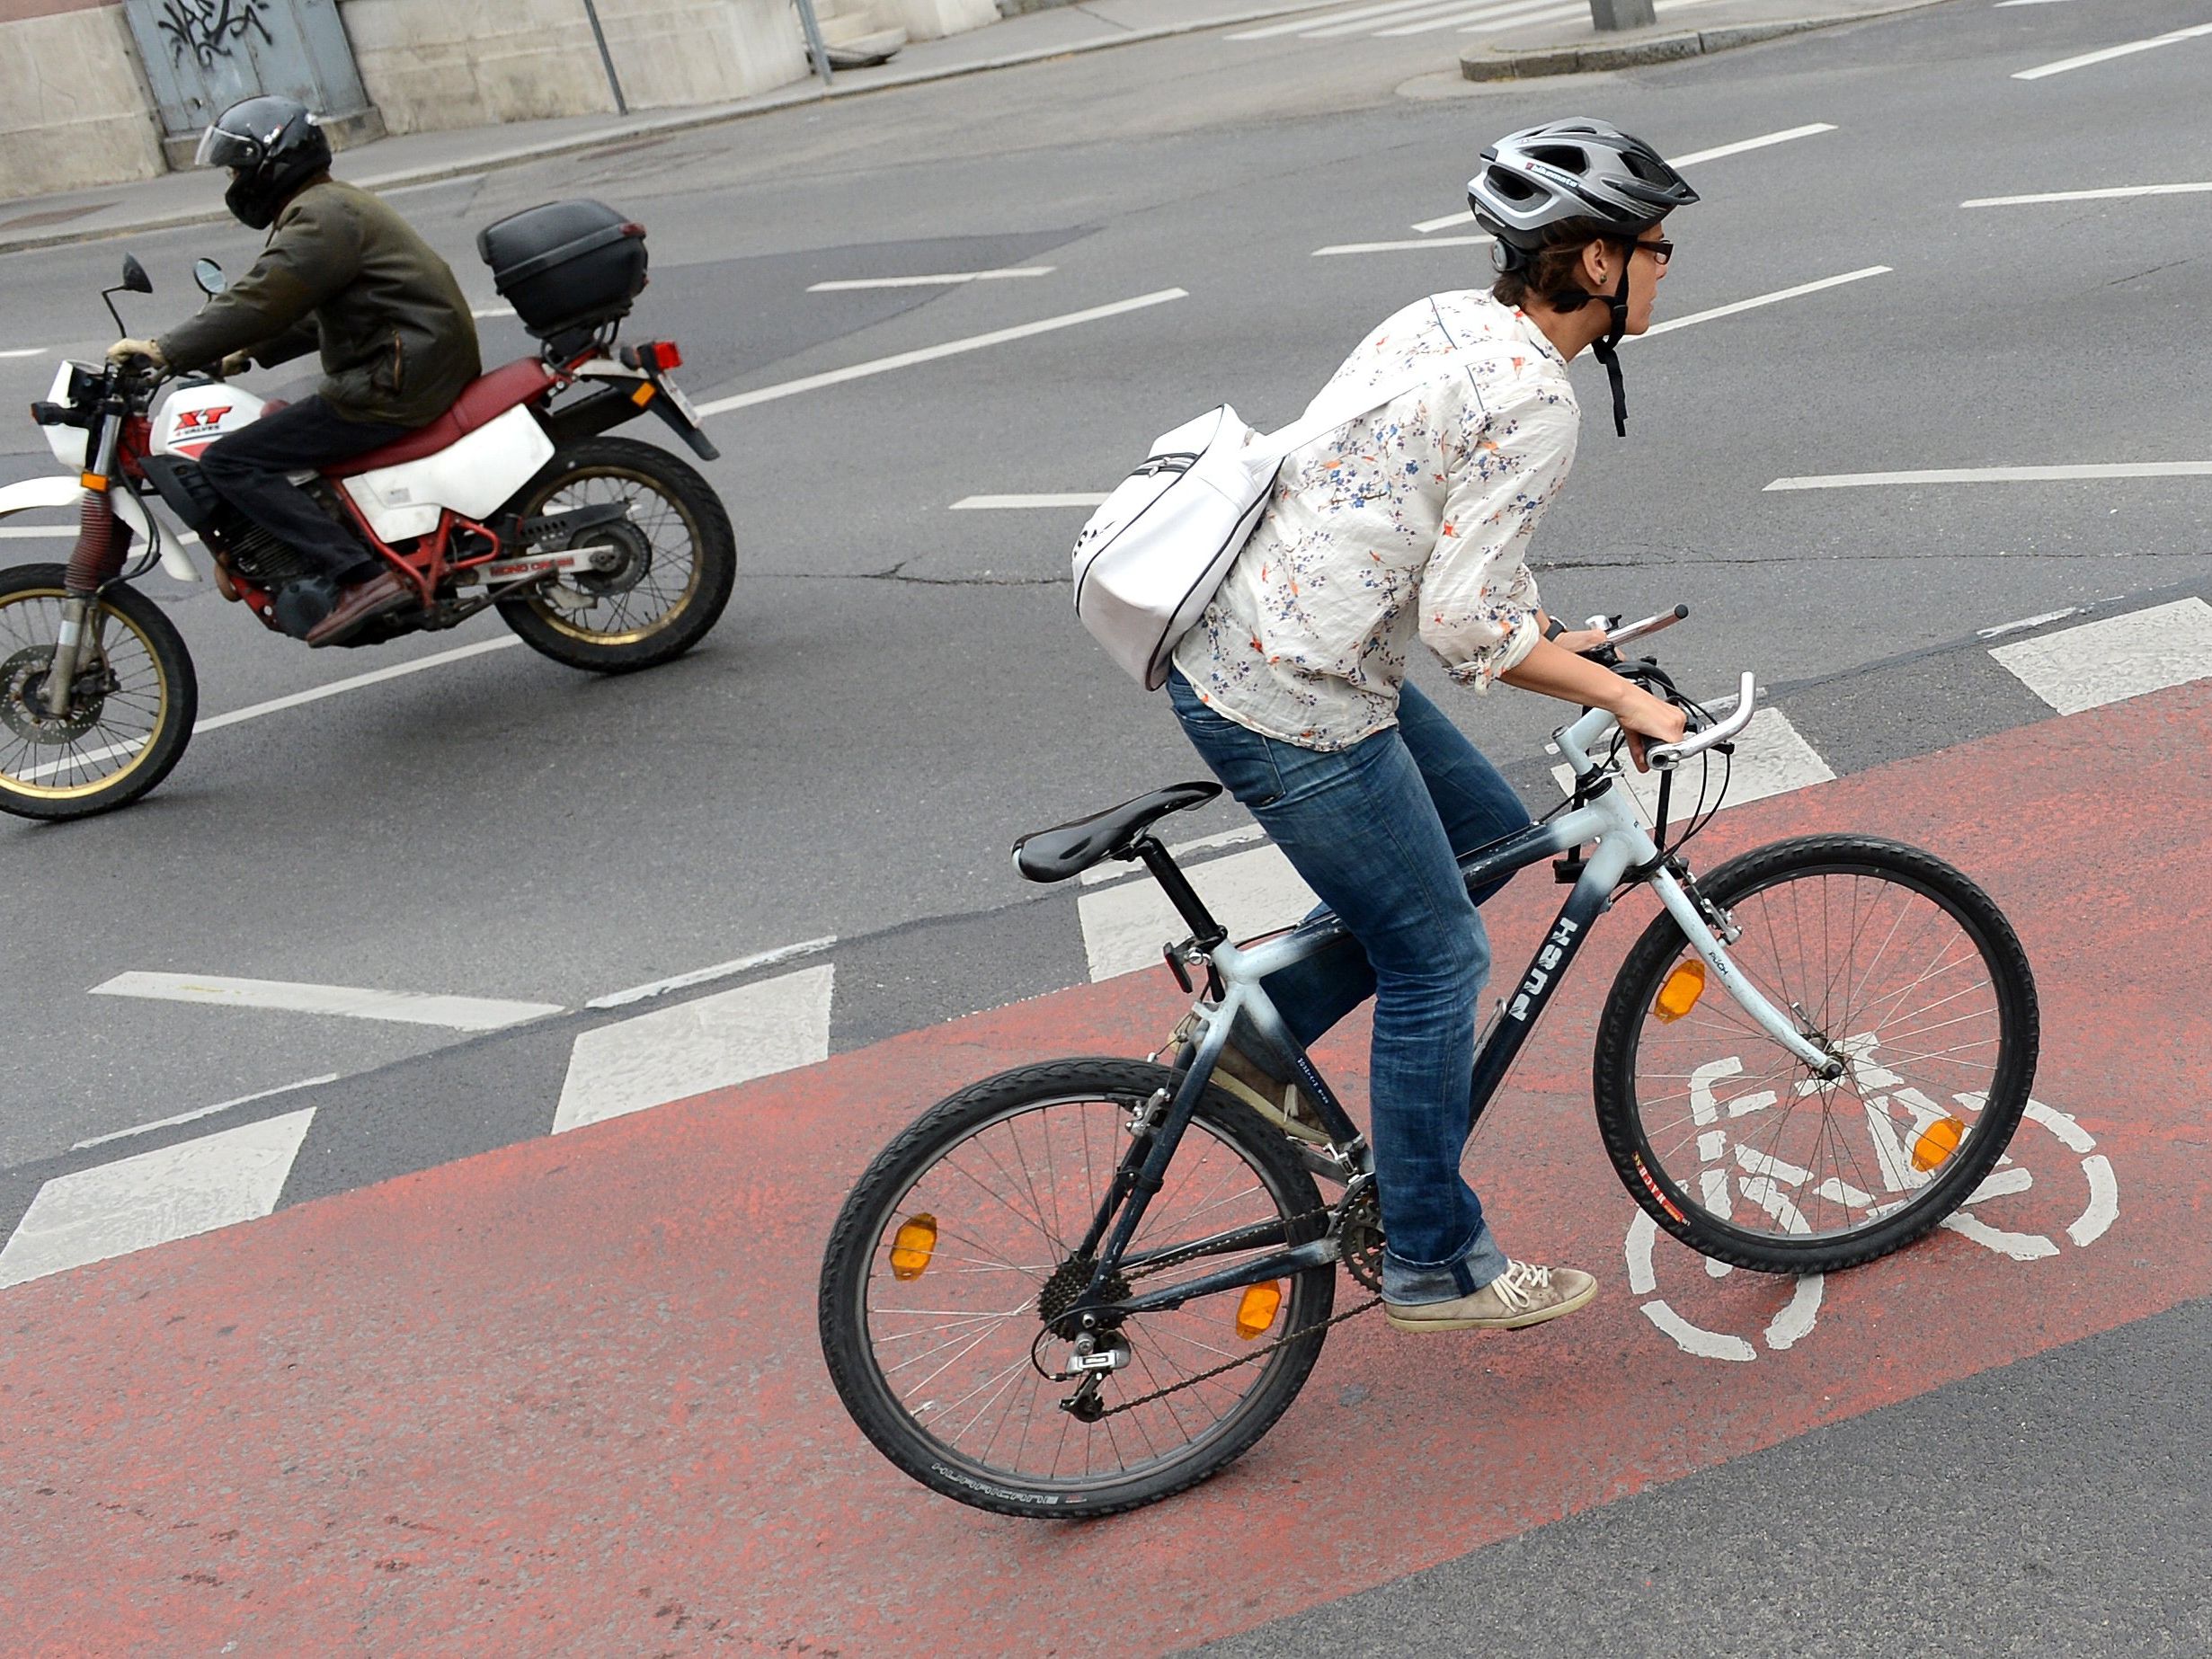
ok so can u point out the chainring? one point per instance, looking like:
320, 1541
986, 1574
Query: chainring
1359, 1238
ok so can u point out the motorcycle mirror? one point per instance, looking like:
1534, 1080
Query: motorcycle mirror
210, 276
134, 276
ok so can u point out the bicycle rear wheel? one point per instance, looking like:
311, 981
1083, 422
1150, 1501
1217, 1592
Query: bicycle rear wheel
1887, 958
966, 1226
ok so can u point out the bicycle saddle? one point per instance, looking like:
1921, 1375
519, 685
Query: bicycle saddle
1067, 849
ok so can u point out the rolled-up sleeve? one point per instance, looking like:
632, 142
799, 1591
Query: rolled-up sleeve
1478, 602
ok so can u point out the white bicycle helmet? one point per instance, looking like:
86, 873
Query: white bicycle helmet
1581, 170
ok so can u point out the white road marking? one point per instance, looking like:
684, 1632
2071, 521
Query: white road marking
1549, 14
2103, 1201
215, 723
2099, 662
1116, 871
1391, 8
714, 1043
1001, 503
1772, 759
405, 1008
1752, 303
929, 354
2003, 4
1458, 15
494, 311
172, 1192
2025, 623
28, 352
1400, 247
950, 279
1691, 160
2113, 193
1251, 893
720, 971
200, 1111
2110, 52
2001, 474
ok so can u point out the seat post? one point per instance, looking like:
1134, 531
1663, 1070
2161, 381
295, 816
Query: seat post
1205, 931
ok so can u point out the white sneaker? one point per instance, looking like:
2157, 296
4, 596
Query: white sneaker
1524, 1294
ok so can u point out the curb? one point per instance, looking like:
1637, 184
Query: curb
712, 115
1523, 63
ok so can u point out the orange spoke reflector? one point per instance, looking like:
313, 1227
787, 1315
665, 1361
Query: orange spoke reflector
1257, 1308
1937, 1142
912, 1246
1679, 995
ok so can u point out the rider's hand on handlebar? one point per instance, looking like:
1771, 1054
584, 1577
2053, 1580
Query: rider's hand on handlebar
1646, 720
123, 350
237, 363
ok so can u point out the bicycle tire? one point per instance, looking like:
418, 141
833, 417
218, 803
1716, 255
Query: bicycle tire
1670, 1202
864, 1228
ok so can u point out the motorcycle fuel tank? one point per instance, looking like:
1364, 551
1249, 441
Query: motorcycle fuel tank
192, 417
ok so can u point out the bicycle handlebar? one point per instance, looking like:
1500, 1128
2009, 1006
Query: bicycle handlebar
1664, 757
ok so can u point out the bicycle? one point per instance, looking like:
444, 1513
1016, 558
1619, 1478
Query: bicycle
999, 1305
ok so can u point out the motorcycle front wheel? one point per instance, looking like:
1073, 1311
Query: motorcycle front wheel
129, 714
677, 559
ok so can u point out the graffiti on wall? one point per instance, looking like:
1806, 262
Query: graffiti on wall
210, 29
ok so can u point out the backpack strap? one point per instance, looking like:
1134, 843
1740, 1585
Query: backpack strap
1331, 412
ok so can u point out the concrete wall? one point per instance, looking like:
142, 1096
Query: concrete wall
73, 107
928, 19
435, 63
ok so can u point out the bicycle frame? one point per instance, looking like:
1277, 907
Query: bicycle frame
1625, 853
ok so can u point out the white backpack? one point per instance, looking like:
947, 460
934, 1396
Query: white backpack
1149, 560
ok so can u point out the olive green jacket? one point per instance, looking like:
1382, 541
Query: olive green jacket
344, 272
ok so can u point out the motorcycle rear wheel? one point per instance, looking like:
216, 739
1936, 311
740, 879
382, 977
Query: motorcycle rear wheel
680, 559
127, 727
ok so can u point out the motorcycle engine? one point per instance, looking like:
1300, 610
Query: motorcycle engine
257, 556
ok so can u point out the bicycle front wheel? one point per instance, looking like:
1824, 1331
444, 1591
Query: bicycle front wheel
1886, 958
967, 1231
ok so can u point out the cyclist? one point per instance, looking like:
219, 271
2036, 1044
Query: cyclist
1414, 522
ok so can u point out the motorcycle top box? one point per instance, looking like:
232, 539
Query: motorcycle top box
566, 265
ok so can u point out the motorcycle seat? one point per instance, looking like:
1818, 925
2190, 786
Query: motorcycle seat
481, 402
1067, 849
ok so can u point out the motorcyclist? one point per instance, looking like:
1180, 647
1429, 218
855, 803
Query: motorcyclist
344, 272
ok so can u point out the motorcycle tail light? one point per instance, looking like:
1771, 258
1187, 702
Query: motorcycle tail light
661, 355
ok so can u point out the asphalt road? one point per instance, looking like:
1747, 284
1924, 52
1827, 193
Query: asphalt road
898, 688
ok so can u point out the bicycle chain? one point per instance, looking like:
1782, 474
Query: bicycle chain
1257, 1353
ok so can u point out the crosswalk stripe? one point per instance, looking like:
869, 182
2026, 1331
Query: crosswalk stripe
172, 1192
2093, 663
406, 1007
714, 1043
1464, 14
1307, 22
1367, 25
1772, 759
1250, 893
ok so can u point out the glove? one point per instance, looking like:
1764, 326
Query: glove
123, 350
237, 363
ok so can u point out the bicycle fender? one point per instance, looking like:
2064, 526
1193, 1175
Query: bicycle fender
33, 493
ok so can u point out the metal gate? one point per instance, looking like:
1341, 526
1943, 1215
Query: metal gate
201, 56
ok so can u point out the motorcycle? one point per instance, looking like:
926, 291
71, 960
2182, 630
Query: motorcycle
602, 553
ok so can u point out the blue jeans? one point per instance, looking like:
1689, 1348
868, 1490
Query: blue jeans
1376, 830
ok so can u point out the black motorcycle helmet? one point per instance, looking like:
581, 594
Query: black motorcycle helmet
271, 146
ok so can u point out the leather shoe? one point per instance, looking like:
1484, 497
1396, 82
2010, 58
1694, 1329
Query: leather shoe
359, 606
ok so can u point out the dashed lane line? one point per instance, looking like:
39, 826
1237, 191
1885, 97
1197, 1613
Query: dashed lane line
1756, 301
197, 1112
2115, 192
1402, 247
2063, 64
950, 348
1005, 504
949, 279
2000, 474
348, 1001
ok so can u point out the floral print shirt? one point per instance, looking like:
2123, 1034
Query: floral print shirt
1412, 521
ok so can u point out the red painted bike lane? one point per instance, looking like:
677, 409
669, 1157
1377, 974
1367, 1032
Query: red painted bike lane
566, 1397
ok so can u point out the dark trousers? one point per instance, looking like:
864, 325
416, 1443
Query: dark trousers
248, 470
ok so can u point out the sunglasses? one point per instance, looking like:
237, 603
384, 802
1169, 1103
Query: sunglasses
1658, 247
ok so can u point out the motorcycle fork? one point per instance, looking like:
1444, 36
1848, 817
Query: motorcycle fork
94, 562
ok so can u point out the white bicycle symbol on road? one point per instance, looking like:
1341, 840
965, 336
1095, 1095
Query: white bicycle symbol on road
1896, 1116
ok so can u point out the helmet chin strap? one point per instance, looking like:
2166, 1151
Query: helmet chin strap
1605, 351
